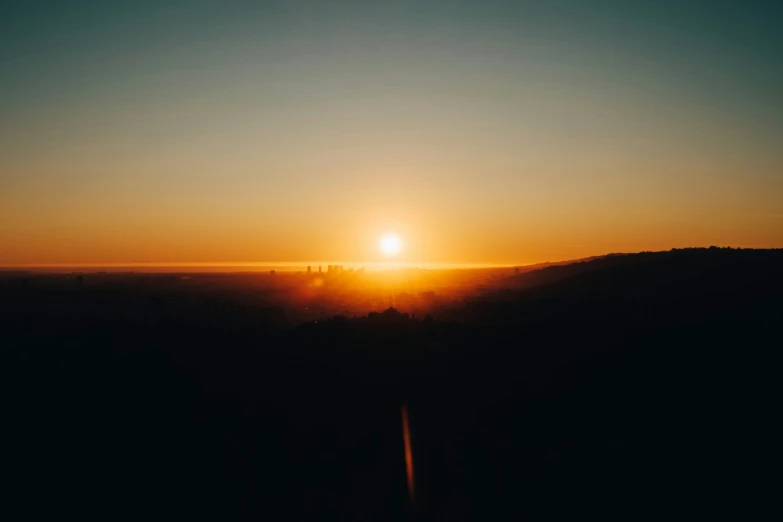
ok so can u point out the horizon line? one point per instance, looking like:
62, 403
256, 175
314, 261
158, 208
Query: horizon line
291, 266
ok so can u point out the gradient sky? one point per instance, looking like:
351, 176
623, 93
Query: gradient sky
482, 132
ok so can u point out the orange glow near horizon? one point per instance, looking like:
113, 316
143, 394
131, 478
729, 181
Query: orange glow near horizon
434, 236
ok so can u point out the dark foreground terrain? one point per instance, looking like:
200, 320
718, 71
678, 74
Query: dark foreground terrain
627, 386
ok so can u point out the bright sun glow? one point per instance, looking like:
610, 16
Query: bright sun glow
390, 244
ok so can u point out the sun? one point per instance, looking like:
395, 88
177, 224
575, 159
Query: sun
390, 244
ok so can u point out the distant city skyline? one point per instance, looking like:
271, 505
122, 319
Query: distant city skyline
260, 267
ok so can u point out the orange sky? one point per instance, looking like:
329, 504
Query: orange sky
304, 134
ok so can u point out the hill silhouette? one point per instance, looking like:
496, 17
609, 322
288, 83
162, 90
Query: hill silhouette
618, 386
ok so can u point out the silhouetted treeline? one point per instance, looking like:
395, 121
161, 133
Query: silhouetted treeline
625, 386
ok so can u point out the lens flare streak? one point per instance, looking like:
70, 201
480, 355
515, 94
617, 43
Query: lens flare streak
408, 453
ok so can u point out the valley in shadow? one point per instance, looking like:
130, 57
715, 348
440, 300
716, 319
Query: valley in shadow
626, 385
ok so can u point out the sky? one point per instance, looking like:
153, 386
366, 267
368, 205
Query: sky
479, 132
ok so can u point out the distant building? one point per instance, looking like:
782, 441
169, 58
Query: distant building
309, 269
319, 269
271, 272
516, 271
428, 296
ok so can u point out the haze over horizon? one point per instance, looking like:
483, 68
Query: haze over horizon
487, 133
300, 266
